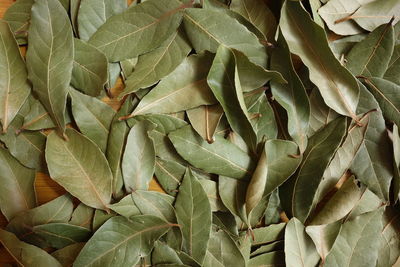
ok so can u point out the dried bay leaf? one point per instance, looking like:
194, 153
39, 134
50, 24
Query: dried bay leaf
299, 248
125, 207
94, 13
221, 157
14, 86
207, 29
155, 65
268, 234
119, 236
169, 174
66, 256
93, 117
371, 56
307, 39
25, 254
79, 166
139, 157
205, 120
82, 216
185, 88
144, 26
291, 96
18, 16
38, 118
50, 65
324, 236
18, 192
275, 258
394, 66
193, 213
390, 239
89, 73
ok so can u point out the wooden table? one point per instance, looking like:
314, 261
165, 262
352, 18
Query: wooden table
46, 188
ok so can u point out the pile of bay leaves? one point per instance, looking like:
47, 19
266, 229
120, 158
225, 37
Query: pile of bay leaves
271, 126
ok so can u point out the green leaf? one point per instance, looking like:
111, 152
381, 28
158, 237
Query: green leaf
207, 30
185, 88
50, 57
258, 13
66, 256
275, 258
373, 164
169, 174
335, 10
80, 167
57, 210
18, 16
205, 120
223, 251
386, 94
275, 165
164, 255
225, 84
37, 118
25, 254
82, 216
324, 236
18, 191
299, 248
368, 202
211, 189
274, 246
164, 123
221, 157
118, 237
375, 13
268, 234
193, 213
93, 117
93, 13
394, 66
158, 63
291, 96
155, 203
320, 150
89, 73
396, 163
60, 235
307, 39
14, 86
125, 207
359, 236
139, 157
389, 250
144, 27
371, 56
343, 158
233, 195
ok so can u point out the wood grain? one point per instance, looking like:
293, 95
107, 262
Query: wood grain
46, 188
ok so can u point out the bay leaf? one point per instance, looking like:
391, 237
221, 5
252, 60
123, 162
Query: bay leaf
221, 157
155, 65
14, 86
169, 174
66, 256
153, 21
58, 210
94, 13
292, 95
205, 119
89, 73
164, 123
164, 255
100, 217
139, 157
50, 66
25, 254
82, 216
93, 117
223, 251
320, 150
18, 16
73, 13
185, 88
155, 203
335, 10
225, 221
389, 250
275, 258
38, 118
371, 56
206, 29
299, 248
211, 189
394, 66
268, 234
119, 236
233, 196
258, 13
80, 167
375, 13
373, 162
164, 147
60, 235
18, 191
193, 213
125, 207
128, 66
307, 39
343, 158
225, 84
396, 164
274, 246
385, 93
358, 236
368, 202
